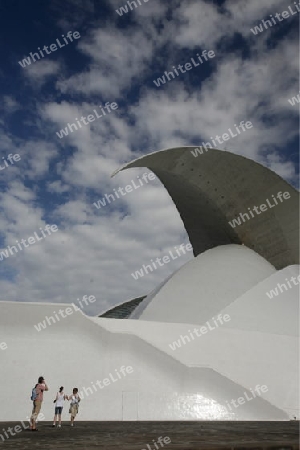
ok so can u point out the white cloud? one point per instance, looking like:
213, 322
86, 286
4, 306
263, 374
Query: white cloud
95, 251
118, 58
96, 257
40, 71
10, 105
57, 187
204, 24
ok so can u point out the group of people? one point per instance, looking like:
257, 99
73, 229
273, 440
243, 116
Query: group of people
37, 397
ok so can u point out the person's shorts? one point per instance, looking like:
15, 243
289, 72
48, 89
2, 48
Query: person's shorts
37, 404
73, 410
58, 410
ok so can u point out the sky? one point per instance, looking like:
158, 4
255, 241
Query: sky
115, 57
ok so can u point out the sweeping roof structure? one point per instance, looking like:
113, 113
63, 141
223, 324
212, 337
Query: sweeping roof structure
215, 187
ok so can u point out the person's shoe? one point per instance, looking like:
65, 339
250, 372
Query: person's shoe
72, 425
34, 429
53, 425
59, 426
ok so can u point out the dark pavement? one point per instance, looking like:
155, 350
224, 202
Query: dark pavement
136, 436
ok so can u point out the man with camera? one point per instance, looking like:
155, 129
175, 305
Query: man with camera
37, 398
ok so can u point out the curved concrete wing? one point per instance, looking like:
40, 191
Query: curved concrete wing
214, 188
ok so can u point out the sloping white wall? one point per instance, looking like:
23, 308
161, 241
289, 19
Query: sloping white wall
78, 351
260, 342
246, 357
205, 285
256, 311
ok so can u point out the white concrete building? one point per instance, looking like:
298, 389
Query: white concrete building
218, 340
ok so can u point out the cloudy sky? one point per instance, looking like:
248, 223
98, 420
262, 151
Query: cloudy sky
116, 58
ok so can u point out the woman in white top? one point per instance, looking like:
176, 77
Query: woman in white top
74, 405
59, 403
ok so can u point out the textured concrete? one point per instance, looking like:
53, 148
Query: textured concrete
136, 436
216, 187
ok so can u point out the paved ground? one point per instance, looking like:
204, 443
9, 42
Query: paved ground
136, 436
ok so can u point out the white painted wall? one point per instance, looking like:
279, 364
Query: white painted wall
246, 357
256, 311
78, 350
259, 344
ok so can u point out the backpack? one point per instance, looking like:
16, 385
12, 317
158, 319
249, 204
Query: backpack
33, 394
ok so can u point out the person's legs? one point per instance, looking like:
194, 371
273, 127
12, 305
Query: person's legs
75, 411
54, 418
73, 414
31, 417
59, 416
35, 412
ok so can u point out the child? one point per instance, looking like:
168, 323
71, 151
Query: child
59, 403
74, 405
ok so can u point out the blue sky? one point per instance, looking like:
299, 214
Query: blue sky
116, 59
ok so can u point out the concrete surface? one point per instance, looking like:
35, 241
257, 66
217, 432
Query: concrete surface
214, 188
136, 436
